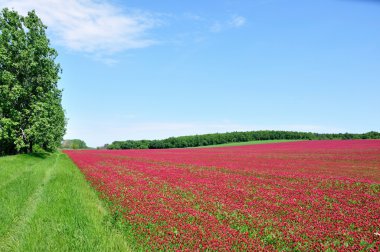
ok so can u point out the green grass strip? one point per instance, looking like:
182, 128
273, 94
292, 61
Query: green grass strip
248, 143
47, 205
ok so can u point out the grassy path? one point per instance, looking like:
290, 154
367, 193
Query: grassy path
47, 205
29, 209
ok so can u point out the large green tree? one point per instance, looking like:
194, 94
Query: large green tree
31, 113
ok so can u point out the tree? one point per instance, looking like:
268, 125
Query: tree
30, 102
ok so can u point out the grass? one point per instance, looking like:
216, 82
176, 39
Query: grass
47, 205
248, 143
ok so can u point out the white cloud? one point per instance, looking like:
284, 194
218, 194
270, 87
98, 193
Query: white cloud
90, 26
237, 21
216, 27
233, 23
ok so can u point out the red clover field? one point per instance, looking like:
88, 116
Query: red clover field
296, 196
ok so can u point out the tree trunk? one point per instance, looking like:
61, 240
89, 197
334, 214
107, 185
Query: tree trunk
30, 147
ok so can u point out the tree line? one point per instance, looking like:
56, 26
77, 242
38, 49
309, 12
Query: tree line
232, 137
73, 144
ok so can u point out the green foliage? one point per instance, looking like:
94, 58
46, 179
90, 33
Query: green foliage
30, 102
74, 144
234, 137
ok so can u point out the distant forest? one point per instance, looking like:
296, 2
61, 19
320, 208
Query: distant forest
232, 137
73, 144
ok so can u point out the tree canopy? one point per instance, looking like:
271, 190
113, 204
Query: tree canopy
31, 113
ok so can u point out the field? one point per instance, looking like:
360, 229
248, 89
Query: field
47, 205
298, 196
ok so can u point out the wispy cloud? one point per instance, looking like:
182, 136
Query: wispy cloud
237, 21
216, 27
90, 26
233, 22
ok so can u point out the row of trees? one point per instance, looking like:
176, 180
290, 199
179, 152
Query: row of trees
74, 144
231, 137
31, 113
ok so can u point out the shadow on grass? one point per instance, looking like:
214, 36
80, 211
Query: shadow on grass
41, 155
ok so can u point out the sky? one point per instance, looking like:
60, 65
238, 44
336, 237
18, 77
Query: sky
154, 69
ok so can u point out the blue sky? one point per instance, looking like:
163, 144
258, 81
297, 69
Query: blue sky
155, 69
